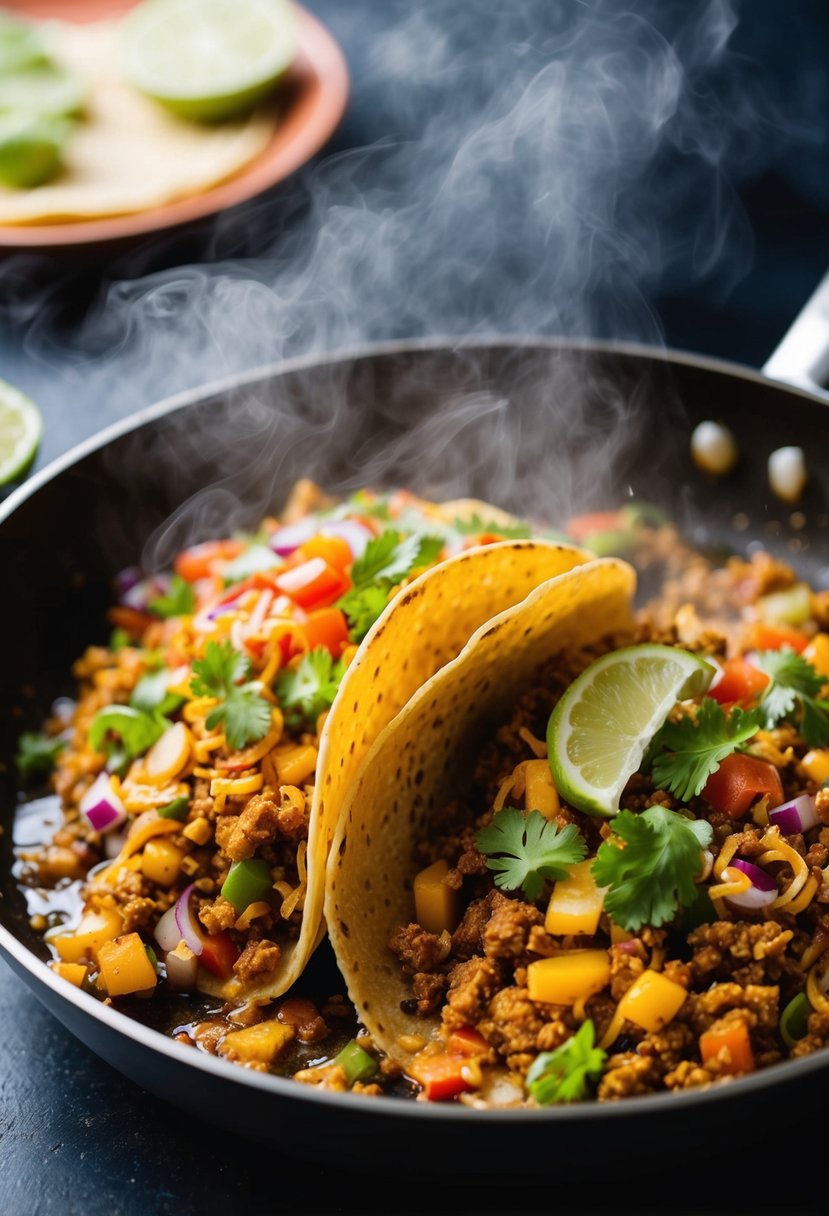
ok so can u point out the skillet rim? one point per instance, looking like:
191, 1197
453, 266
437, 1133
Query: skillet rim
145, 1037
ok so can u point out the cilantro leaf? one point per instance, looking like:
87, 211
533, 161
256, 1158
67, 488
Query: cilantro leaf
246, 716
135, 729
524, 850
475, 526
179, 600
649, 864
391, 556
564, 1075
220, 671
311, 688
363, 606
36, 755
687, 752
794, 681
119, 639
152, 692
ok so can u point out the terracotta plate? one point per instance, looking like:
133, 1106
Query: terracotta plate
314, 93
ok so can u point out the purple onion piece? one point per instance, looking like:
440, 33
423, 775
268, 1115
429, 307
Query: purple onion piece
126, 579
761, 893
285, 540
759, 878
188, 928
353, 533
101, 807
797, 815
166, 931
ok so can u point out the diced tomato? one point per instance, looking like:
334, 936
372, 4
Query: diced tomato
582, 526
483, 538
131, 620
333, 549
200, 561
730, 1042
467, 1041
314, 584
740, 682
738, 781
440, 1075
219, 955
329, 628
775, 637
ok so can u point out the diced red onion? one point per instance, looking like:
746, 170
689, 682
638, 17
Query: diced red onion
125, 580
761, 893
189, 931
797, 815
101, 807
167, 931
355, 535
181, 972
285, 540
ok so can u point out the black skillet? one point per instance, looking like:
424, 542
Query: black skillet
543, 428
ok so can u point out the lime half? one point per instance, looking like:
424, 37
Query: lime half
20, 430
600, 728
208, 59
45, 91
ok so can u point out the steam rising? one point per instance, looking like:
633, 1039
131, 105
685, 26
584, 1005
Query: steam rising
545, 181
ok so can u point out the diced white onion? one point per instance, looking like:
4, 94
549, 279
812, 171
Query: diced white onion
787, 473
714, 448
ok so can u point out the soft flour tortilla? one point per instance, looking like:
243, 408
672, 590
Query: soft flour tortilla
128, 154
417, 761
425, 625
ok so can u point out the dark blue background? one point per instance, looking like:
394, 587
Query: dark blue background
75, 1137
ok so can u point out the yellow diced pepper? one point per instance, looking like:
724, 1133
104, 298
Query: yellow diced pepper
235, 787
436, 903
540, 793
817, 653
259, 1044
199, 831
75, 973
652, 1001
161, 861
619, 935
569, 977
94, 930
576, 902
816, 765
125, 966
294, 764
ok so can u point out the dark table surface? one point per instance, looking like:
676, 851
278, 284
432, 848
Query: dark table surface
514, 167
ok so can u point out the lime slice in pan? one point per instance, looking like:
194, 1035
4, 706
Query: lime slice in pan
20, 431
44, 91
208, 59
599, 730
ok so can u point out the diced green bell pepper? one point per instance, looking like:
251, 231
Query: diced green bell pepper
794, 1019
356, 1062
246, 882
177, 809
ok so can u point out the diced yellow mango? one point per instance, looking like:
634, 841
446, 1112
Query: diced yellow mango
619, 935
817, 653
199, 831
294, 764
259, 1044
74, 973
816, 765
576, 902
125, 966
652, 1001
161, 861
94, 930
569, 977
540, 793
436, 903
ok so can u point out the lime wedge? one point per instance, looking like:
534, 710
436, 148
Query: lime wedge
44, 91
208, 59
20, 431
20, 45
599, 730
31, 146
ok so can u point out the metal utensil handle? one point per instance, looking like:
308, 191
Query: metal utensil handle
802, 357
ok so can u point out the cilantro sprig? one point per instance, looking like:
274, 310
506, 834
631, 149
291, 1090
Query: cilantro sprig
179, 599
36, 755
475, 525
650, 864
223, 674
525, 850
565, 1075
794, 695
311, 687
386, 561
152, 692
685, 753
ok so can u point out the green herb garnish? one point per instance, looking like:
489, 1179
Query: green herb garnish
118, 639
244, 711
152, 692
387, 560
650, 864
476, 526
134, 729
36, 755
179, 600
684, 754
794, 692
565, 1075
311, 687
525, 850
